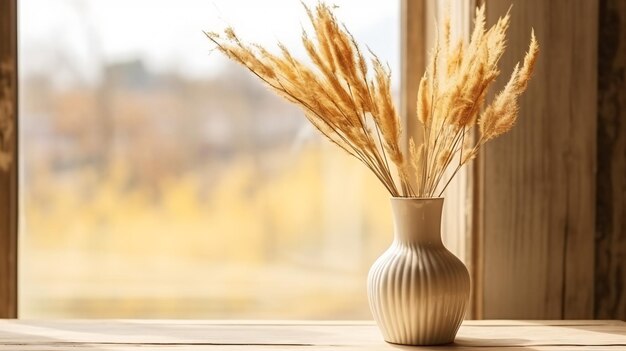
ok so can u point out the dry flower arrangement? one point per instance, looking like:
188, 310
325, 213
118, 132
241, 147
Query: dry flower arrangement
349, 100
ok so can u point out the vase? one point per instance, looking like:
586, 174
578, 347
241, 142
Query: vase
417, 289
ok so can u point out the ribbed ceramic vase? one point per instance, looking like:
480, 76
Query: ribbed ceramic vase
417, 289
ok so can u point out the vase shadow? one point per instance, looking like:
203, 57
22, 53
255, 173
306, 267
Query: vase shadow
466, 343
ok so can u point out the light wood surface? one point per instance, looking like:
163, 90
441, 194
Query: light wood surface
538, 191
8, 178
412, 60
302, 335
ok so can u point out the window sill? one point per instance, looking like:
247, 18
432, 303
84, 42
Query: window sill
295, 335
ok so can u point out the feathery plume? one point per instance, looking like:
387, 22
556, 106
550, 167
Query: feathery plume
349, 99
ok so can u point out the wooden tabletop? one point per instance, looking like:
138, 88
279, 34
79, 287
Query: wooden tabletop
93, 335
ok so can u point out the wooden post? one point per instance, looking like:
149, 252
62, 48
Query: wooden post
537, 183
610, 265
412, 60
8, 159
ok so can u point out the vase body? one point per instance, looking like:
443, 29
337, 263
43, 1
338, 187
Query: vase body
417, 289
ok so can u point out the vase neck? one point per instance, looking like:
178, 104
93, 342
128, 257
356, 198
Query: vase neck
417, 221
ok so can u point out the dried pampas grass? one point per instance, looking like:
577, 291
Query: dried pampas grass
348, 97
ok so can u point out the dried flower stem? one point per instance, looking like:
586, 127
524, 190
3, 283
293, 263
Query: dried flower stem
343, 96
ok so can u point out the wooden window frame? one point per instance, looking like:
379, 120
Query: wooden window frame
8, 176
531, 252
413, 43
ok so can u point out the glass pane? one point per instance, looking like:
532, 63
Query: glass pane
161, 181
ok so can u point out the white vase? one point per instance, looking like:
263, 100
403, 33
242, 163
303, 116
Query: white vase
417, 289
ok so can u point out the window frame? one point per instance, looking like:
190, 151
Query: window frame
483, 214
9, 178
413, 35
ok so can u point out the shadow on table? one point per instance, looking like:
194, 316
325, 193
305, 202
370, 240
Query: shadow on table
618, 328
467, 343
596, 333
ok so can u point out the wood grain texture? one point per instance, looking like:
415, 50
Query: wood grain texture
412, 59
303, 335
610, 262
538, 182
8, 178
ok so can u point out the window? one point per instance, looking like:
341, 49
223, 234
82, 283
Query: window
160, 180
73, 185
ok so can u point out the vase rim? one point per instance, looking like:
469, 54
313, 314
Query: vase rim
416, 198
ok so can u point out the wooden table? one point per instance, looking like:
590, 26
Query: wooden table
97, 335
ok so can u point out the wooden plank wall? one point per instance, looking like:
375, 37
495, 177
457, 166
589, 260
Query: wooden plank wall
537, 184
8, 164
610, 264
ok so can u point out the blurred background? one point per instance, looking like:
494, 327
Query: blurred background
160, 180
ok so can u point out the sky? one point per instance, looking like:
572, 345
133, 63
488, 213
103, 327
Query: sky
70, 39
